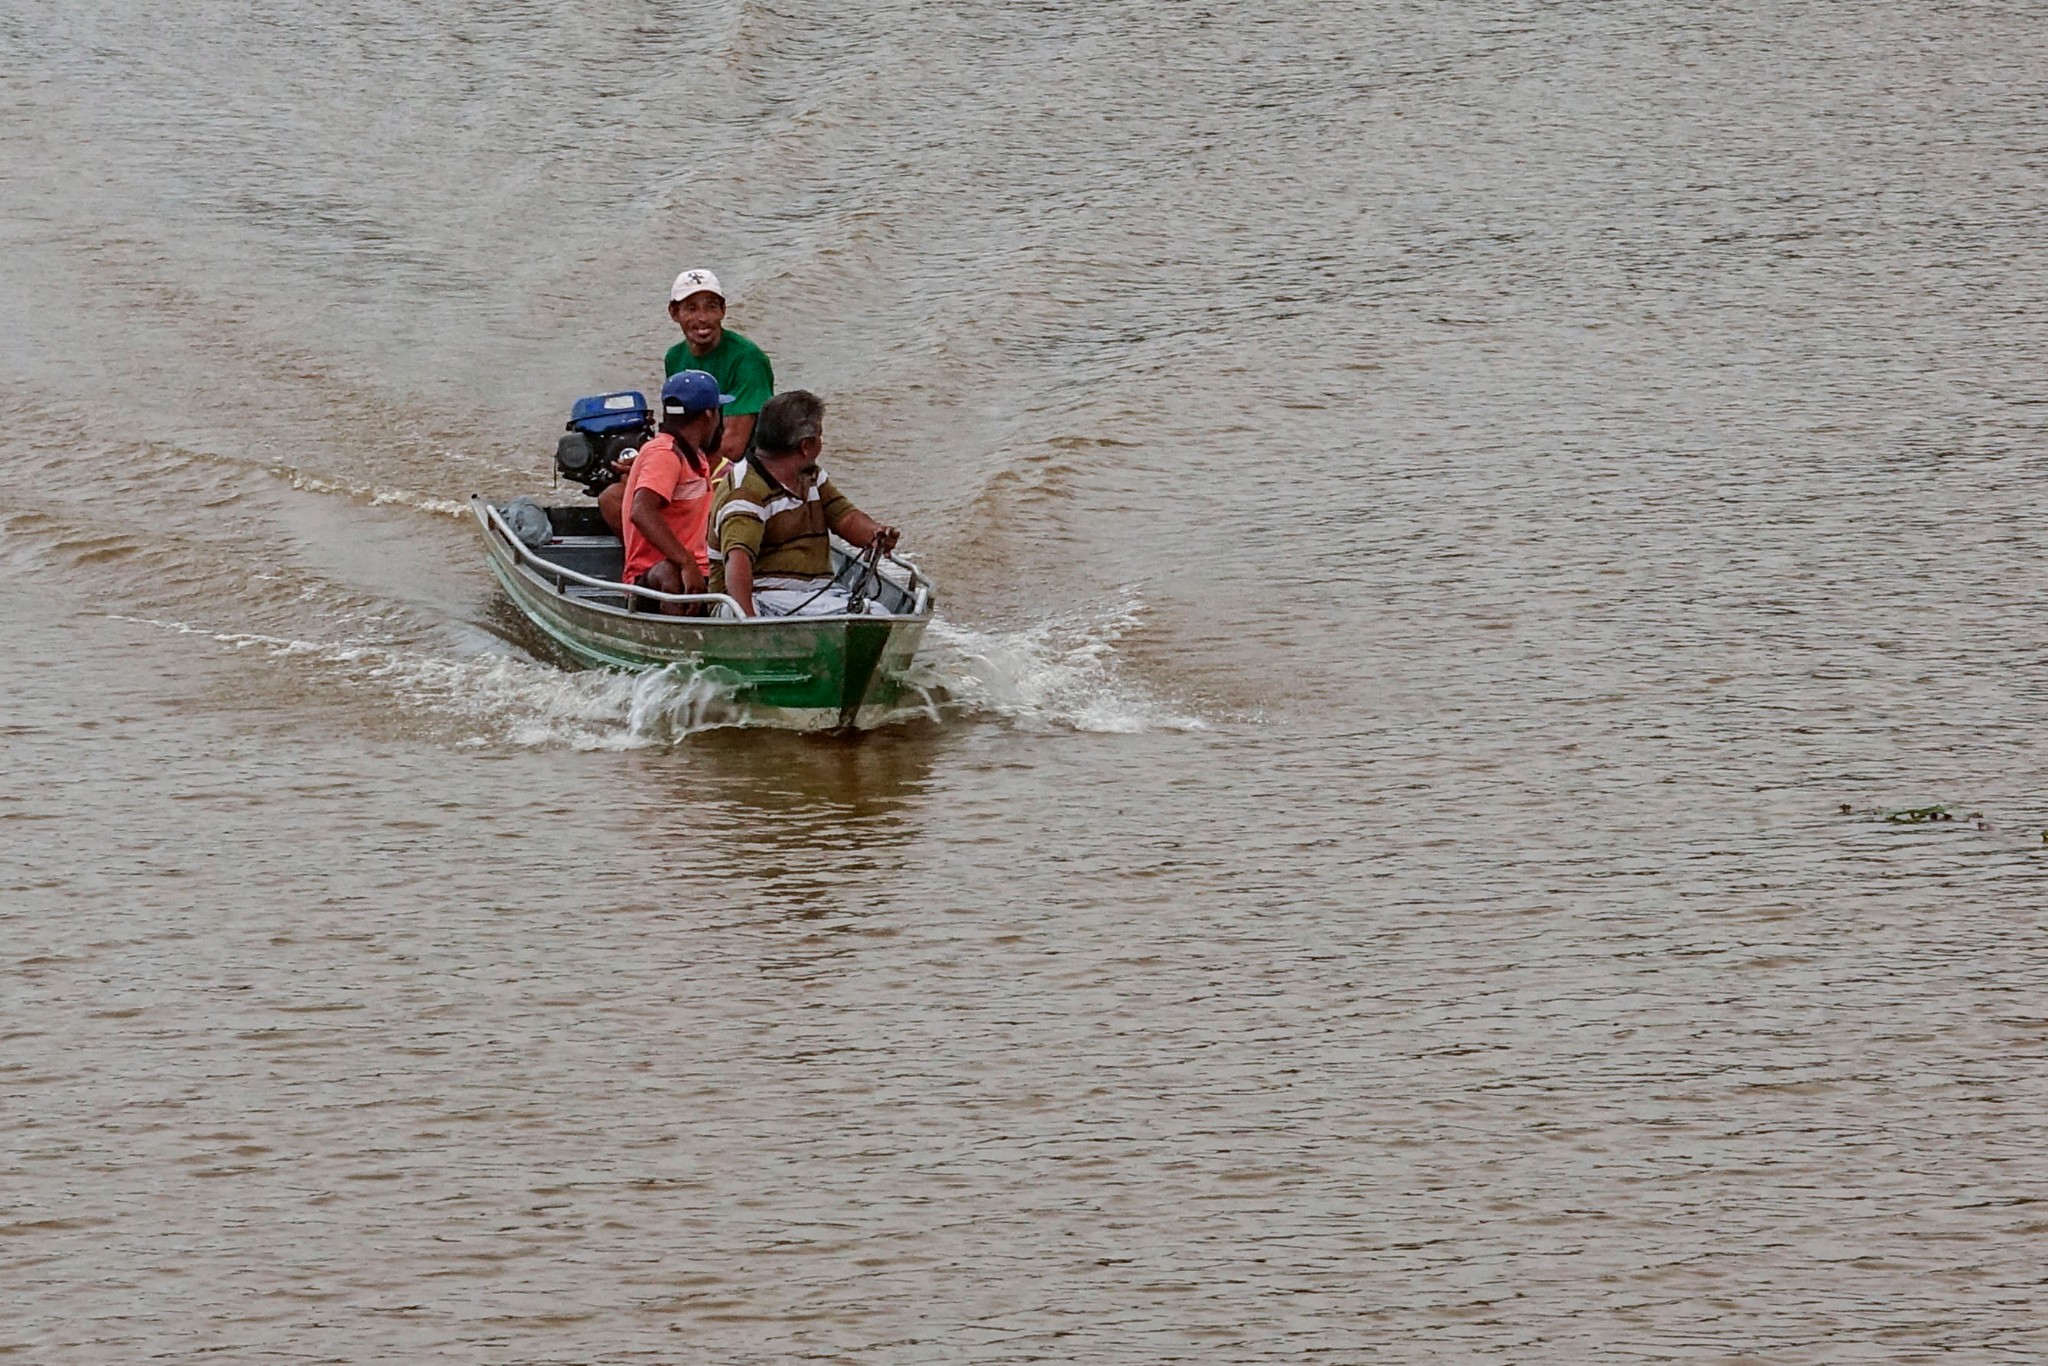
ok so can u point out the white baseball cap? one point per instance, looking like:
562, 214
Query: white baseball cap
694, 282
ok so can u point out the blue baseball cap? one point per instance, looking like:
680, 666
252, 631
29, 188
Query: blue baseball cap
691, 391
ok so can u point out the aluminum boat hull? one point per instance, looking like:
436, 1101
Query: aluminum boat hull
813, 672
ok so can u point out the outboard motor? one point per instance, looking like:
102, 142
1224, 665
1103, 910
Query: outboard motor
601, 429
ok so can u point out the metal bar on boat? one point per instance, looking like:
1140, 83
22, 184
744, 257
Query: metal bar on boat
549, 569
917, 579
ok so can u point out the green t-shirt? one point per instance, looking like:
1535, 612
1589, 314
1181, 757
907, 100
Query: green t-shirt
740, 367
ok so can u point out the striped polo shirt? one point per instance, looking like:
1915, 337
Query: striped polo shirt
786, 535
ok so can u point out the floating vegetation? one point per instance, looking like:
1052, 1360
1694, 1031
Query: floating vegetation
1918, 815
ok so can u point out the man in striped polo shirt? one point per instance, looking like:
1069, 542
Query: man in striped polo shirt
769, 544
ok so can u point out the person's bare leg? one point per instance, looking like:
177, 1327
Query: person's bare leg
665, 578
611, 505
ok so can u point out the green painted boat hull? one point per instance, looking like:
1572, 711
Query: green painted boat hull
812, 672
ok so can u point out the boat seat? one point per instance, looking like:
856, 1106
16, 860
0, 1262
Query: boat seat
601, 557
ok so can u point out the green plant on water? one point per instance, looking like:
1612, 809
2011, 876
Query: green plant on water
1917, 815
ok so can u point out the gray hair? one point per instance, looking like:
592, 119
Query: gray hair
788, 420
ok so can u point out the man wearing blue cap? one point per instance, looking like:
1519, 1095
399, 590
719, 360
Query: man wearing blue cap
668, 495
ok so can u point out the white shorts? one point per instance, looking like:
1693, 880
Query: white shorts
822, 601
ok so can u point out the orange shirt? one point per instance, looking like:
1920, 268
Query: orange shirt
681, 479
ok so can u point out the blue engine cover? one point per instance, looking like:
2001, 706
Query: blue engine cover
600, 414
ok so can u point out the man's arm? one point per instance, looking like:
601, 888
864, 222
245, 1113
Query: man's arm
739, 577
739, 429
753, 384
857, 528
647, 505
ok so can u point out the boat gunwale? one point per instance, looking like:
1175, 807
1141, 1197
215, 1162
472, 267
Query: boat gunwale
498, 534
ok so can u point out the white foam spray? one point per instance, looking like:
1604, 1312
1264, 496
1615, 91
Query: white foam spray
1058, 674
374, 495
1061, 673
501, 697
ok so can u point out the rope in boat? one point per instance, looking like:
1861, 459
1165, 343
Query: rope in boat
871, 562
871, 565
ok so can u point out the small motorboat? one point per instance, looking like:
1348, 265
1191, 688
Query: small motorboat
814, 672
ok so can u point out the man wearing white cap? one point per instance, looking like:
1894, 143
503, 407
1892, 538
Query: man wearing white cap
741, 368
697, 303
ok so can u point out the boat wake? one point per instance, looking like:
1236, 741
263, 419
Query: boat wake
368, 495
504, 697
1058, 675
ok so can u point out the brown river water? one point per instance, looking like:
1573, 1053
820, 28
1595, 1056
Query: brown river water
1459, 527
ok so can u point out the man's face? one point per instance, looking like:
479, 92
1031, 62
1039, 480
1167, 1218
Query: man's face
702, 318
704, 430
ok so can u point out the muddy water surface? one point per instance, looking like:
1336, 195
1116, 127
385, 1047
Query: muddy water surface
1457, 523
